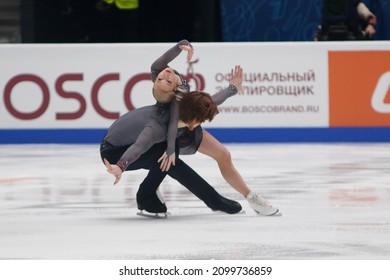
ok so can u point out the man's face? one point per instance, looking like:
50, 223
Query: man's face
192, 124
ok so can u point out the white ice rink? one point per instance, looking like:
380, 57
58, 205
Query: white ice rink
58, 202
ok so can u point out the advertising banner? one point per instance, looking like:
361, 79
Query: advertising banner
70, 86
290, 86
359, 90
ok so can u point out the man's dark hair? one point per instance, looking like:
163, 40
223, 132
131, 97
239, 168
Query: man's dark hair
197, 106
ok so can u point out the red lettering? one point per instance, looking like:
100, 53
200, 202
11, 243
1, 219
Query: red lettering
26, 78
80, 97
70, 94
94, 95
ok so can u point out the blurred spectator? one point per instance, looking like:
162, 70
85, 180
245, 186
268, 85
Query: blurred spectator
117, 21
345, 20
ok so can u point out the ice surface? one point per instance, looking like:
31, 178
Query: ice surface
58, 202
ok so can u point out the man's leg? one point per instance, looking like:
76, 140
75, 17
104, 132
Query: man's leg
148, 200
147, 195
113, 154
181, 172
186, 176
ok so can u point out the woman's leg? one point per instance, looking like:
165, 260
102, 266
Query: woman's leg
214, 149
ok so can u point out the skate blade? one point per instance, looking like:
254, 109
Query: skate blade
276, 214
152, 215
222, 212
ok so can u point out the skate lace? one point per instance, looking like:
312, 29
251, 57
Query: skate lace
261, 201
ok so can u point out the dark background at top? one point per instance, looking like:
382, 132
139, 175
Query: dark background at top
78, 21
286, 20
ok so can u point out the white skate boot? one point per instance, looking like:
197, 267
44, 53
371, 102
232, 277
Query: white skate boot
261, 206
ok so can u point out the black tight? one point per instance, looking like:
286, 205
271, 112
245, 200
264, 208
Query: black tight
181, 172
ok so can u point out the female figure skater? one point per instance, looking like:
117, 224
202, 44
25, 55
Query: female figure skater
156, 123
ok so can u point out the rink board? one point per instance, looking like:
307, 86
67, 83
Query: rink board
295, 92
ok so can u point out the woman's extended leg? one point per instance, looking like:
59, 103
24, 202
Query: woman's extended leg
211, 147
214, 149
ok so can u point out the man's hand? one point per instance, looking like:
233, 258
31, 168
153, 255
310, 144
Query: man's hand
237, 76
114, 170
166, 161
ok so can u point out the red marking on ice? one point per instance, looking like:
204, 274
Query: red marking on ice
16, 179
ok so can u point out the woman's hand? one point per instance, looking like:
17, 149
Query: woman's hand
189, 49
237, 76
114, 170
166, 161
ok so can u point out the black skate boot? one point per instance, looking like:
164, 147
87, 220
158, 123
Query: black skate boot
226, 205
152, 206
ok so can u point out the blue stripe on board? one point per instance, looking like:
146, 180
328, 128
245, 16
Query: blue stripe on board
59, 136
281, 135
226, 135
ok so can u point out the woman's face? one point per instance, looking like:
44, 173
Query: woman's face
166, 80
